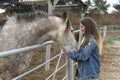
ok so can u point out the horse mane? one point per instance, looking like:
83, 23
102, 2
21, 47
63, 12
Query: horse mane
31, 16
2, 23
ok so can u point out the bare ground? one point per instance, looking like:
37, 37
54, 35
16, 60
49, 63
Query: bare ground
110, 62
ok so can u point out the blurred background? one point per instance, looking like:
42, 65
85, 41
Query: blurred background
105, 12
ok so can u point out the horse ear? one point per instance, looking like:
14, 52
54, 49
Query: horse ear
67, 26
65, 16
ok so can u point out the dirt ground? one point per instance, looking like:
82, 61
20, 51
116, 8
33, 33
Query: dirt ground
110, 62
39, 58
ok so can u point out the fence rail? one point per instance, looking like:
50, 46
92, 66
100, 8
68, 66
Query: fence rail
109, 28
36, 68
47, 62
105, 29
25, 49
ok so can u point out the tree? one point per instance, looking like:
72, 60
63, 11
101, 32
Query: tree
117, 6
98, 5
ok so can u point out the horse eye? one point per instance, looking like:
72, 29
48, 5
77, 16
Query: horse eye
72, 31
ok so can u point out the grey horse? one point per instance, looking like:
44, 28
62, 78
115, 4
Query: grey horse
27, 29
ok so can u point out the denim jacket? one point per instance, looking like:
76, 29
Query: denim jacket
88, 60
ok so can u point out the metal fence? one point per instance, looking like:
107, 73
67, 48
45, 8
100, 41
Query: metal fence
69, 63
109, 28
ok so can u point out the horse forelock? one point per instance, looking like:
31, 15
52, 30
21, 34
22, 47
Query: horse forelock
32, 16
2, 23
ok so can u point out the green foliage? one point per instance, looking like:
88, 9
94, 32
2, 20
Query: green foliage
97, 5
93, 6
117, 6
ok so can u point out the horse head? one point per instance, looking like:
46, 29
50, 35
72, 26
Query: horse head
65, 35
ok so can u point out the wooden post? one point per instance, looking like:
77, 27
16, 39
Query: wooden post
51, 6
55, 2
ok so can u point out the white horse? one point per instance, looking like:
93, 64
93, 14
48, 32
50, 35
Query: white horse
27, 29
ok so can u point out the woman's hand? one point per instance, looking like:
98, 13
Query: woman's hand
65, 50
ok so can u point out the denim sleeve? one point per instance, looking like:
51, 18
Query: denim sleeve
85, 53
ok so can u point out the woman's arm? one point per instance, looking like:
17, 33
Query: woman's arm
85, 53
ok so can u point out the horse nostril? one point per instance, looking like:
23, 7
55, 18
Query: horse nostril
72, 31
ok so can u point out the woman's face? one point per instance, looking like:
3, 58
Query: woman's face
82, 28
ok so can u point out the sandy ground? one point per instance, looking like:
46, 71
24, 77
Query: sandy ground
110, 62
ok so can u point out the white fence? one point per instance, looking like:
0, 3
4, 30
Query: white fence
106, 29
109, 28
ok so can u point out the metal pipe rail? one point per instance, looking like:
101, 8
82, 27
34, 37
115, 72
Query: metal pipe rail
36, 68
25, 49
58, 64
56, 71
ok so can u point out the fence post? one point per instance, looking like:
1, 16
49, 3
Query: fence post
69, 68
1, 78
48, 50
105, 32
50, 7
100, 29
80, 38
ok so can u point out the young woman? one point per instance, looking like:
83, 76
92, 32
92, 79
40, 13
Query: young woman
87, 57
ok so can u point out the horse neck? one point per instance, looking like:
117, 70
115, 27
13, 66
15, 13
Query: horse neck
41, 29
22, 33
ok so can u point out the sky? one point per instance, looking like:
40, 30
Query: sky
110, 9
111, 2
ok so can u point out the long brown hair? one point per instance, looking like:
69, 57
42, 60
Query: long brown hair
91, 29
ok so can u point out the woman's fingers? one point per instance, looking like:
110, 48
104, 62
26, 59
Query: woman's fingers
65, 50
